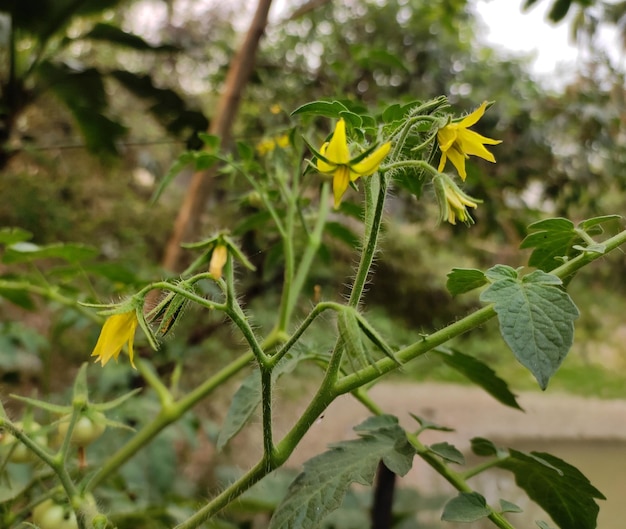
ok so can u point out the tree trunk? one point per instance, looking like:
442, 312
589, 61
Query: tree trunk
201, 186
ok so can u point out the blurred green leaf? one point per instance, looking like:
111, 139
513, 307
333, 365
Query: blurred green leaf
18, 296
12, 235
484, 447
82, 92
507, 506
113, 34
25, 251
321, 108
559, 9
551, 239
343, 233
479, 373
184, 159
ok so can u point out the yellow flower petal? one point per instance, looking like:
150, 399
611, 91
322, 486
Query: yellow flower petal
218, 260
117, 330
337, 151
447, 136
322, 166
458, 160
338, 163
458, 143
369, 165
473, 118
341, 181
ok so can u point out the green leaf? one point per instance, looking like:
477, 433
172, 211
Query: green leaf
466, 507
343, 233
552, 240
427, 425
184, 159
448, 452
115, 35
543, 525
462, 280
18, 296
536, 321
13, 235
479, 373
557, 487
351, 339
25, 251
507, 506
116, 272
589, 224
321, 108
559, 9
323, 483
484, 447
211, 142
411, 179
82, 92
499, 271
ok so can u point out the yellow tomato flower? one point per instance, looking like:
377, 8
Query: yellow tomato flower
265, 146
453, 202
339, 164
282, 141
457, 142
218, 260
117, 330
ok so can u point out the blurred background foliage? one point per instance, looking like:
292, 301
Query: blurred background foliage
98, 98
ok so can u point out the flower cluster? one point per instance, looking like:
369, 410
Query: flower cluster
335, 160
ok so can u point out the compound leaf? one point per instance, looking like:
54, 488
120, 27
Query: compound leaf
325, 479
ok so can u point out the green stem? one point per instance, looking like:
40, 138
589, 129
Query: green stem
331, 388
287, 238
458, 481
254, 475
478, 469
385, 365
367, 257
167, 416
420, 164
238, 317
313, 243
477, 318
266, 400
317, 310
153, 380
164, 285
51, 294
454, 478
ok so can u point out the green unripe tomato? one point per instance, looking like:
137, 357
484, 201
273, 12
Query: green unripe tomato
51, 515
20, 453
89, 427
